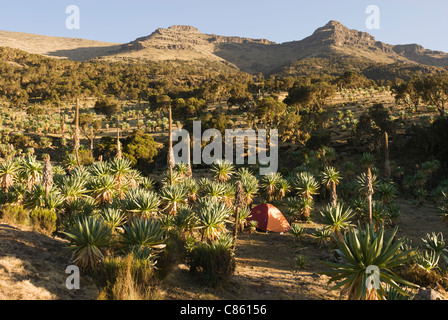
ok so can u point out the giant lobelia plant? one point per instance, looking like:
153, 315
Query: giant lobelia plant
363, 250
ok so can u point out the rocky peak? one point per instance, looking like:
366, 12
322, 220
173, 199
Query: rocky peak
178, 29
177, 37
183, 28
335, 33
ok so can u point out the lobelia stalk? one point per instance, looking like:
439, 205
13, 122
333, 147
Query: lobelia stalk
76, 134
369, 192
239, 202
171, 160
47, 176
387, 161
119, 153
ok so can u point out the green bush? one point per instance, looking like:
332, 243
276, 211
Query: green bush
43, 220
108, 106
319, 140
15, 214
140, 148
215, 261
173, 254
89, 239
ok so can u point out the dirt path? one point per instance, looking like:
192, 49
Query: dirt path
265, 270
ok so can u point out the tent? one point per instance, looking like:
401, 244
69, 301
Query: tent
269, 218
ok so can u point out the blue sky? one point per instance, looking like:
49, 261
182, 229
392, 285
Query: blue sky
118, 21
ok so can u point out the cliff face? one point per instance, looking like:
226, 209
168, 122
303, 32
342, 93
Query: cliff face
421, 55
187, 38
334, 33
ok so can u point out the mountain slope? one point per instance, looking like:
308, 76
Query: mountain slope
332, 48
58, 47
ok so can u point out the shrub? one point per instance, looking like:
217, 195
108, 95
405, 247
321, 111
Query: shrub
319, 140
214, 260
141, 149
297, 231
142, 232
337, 218
363, 248
421, 276
212, 217
127, 278
107, 106
300, 261
174, 253
44, 220
15, 214
322, 236
115, 218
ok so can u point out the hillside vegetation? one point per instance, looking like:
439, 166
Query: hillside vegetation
86, 172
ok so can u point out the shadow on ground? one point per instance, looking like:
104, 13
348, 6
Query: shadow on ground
36, 263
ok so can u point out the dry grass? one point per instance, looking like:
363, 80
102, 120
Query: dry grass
16, 281
32, 266
58, 47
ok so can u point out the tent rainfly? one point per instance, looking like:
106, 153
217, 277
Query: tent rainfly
269, 218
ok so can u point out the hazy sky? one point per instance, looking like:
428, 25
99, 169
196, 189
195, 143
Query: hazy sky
401, 21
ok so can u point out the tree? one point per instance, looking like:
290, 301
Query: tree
269, 110
353, 80
435, 91
170, 160
410, 92
301, 96
47, 176
108, 106
322, 92
162, 102
141, 149
313, 95
76, 134
387, 167
239, 203
291, 129
239, 96
373, 124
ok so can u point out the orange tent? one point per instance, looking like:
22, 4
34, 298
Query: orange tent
269, 218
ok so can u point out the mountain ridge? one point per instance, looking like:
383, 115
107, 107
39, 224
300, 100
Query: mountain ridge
333, 41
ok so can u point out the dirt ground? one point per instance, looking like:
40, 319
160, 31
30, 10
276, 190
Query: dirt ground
32, 265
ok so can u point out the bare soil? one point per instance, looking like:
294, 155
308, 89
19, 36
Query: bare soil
32, 265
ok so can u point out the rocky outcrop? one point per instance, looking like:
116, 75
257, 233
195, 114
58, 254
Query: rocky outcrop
181, 37
337, 34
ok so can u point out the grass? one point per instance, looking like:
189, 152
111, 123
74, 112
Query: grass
15, 214
41, 220
128, 278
